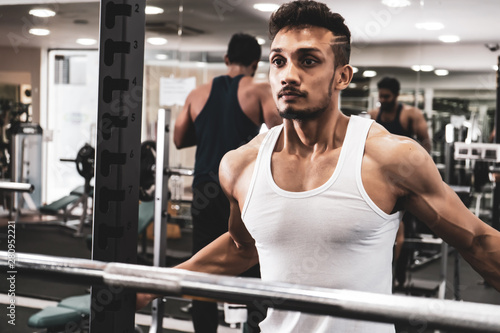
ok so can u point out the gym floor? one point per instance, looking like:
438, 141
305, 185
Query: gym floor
36, 293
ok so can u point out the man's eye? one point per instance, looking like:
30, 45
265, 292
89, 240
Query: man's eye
309, 62
278, 62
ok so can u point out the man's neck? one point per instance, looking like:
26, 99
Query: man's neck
317, 135
391, 111
235, 70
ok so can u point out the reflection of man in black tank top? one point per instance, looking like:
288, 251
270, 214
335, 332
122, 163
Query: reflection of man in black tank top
404, 120
398, 118
395, 126
217, 117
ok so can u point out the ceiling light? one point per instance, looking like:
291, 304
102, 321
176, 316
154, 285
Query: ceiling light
152, 10
423, 68
156, 41
39, 32
352, 85
441, 72
426, 68
161, 56
261, 41
42, 12
266, 7
495, 67
369, 73
355, 70
86, 41
396, 3
449, 38
430, 26
201, 64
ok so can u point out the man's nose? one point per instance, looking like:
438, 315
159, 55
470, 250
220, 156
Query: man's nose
290, 75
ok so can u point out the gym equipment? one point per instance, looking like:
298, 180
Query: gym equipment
148, 167
489, 152
148, 170
70, 315
84, 161
16, 187
495, 218
119, 118
26, 164
63, 207
75, 310
72, 310
437, 314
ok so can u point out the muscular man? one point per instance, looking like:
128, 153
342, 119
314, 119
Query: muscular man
317, 200
217, 117
405, 120
399, 118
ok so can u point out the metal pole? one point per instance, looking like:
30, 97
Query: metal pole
118, 154
495, 219
160, 219
436, 314
16, 187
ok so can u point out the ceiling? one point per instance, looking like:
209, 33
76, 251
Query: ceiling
208, 24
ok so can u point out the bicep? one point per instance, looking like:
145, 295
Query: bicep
446, 215
229, 173
433, 202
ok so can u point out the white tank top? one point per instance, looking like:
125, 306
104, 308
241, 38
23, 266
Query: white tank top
333, 236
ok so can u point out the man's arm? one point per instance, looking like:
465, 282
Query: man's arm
421, 130
437, 205
184, 131
234, 252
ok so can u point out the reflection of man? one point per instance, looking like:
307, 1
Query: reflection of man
399, 118
405, 120
316, 200
217, 117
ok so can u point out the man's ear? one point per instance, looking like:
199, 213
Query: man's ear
226, 60
344, 77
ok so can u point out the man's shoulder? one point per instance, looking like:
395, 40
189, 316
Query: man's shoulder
236, 164
244, 155
386, 147
412, 111
248, 83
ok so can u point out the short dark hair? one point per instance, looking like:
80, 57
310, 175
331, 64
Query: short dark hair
243, 49
302, 13
389, 83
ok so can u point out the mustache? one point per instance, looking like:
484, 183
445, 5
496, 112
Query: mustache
291, 91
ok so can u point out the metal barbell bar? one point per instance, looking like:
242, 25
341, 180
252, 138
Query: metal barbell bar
16, 187
434, 313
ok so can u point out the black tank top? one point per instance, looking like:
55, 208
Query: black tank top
220, 127
395, 126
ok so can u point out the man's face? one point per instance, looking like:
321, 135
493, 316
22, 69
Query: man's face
387, 99
302, 72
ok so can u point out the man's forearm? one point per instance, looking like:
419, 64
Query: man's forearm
222, 257
484, 256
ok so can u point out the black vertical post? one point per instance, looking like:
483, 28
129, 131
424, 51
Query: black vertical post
495, 221
118, 153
